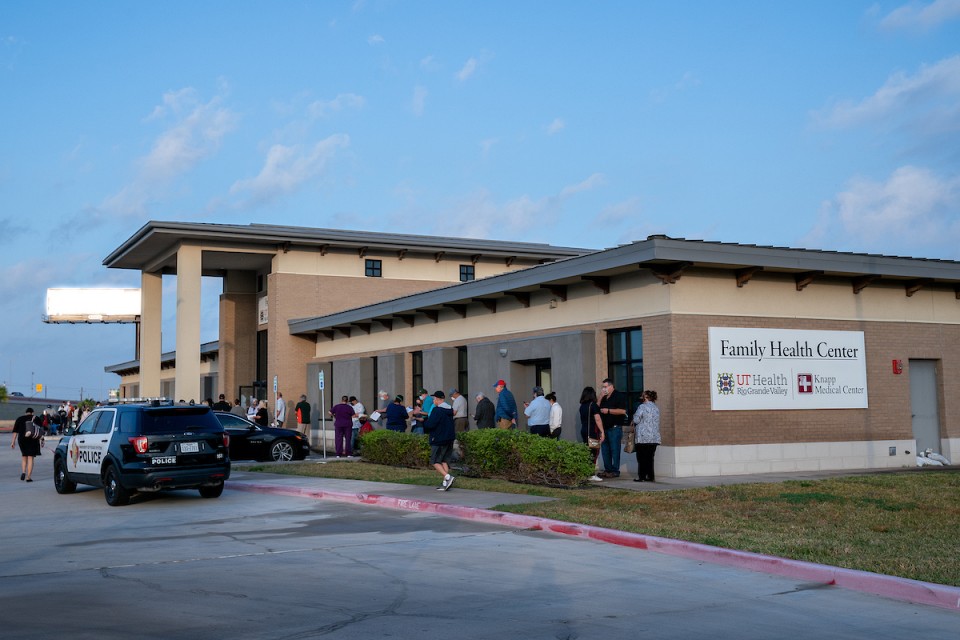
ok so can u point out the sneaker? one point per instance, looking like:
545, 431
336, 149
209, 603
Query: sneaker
447, 485
596, 479
442, 487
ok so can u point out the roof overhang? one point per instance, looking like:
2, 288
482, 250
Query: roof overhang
667, 258
153, 247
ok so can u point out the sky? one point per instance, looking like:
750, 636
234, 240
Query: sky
816, 124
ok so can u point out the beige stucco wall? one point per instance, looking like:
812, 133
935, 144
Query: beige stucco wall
413, 266
640, 295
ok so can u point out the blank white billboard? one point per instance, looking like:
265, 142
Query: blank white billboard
92, 305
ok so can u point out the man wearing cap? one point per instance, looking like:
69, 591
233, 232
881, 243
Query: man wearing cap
442, 434
460, 420
222, 404
538, 413
506, 413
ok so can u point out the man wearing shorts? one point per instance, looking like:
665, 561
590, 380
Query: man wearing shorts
442, 434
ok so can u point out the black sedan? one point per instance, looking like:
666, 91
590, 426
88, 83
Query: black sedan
249, 441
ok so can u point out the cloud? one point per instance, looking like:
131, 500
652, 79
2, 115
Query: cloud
687, 81
468, 69
921, 16
556, 126
478, 215
419, 102
12, 229
902, 95
625, 218
195, 131
323, 108
286, 168
428, 63
375, 39
487, 145
913, 210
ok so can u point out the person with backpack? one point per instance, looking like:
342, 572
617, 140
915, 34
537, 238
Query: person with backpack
28, 432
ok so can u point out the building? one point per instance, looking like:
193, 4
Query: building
765, 358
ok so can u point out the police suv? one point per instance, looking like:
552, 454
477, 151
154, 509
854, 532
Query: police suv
144, 446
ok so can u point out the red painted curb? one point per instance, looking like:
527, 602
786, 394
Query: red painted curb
903, 589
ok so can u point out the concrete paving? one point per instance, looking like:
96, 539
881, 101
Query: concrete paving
278, 563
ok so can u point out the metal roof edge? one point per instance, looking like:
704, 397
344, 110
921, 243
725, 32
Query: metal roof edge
651, 250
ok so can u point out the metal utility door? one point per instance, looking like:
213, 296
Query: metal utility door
924, 406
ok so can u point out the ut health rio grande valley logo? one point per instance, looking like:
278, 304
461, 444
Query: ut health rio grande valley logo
725, 383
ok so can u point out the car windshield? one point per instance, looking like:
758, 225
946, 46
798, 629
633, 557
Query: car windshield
174, 420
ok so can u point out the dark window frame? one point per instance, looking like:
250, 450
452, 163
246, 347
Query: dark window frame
468, 273
631, 361
373, 268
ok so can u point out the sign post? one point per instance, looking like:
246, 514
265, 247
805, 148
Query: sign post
323, 415
276, 385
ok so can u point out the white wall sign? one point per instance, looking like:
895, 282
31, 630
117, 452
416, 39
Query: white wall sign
786, 369
262, 315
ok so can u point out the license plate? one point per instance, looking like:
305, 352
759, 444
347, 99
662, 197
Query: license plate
189, 447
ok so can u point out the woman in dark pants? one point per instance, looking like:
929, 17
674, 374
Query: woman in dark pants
647, 435
590, 424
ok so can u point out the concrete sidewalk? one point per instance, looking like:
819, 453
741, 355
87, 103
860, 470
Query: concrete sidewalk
478, 506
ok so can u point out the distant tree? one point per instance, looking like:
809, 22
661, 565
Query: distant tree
3, 393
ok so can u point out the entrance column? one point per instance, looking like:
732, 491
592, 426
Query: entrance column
187, 380
151, 297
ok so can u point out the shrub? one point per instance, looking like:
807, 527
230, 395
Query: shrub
524, 457
395, 448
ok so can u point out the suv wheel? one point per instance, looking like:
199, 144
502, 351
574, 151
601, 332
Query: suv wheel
212, 492
60, 480
113, 491
281, 451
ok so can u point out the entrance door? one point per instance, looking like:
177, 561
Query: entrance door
923, 404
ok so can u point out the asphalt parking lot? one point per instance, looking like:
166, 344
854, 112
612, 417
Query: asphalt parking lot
261, 565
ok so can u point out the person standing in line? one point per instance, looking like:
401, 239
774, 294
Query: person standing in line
556, 416
417, 416
237, 408
343, 415
303, 417
261, 417
460, 421
29, 447
506, 413
613, 412
221, 404
359, 416
591, 426
252, 410
280, 411
647, 422
484, 412
383, 401
442, 435
426, 403
538, 413
396, 415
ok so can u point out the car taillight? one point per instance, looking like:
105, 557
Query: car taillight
226, 440
139, 443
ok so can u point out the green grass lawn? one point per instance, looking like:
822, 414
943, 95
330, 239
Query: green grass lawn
904, 524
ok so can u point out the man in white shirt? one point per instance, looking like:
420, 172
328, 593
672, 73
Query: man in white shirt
556, 416
461, 422
538, 413
359, 411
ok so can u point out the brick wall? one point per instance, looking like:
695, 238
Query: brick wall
888, 415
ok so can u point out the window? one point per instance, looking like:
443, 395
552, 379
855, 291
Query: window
417, 376
625, 363
373, 269
467, 272
463, 383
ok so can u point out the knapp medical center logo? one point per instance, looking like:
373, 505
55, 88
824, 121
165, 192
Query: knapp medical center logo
756, 369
